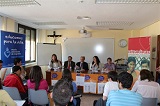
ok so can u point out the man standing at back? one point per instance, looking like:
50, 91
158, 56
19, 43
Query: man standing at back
124, 97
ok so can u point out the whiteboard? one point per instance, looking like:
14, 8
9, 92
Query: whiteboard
88, 47
45, 51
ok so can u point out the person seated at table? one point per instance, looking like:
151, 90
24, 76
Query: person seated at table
69, 64
17, 62
109, 66
112, 84
5, 99
62, 93
146, 86
82, 65
66, 75
95, 66
2, 72
124, 97
36, 80
14, 80
54, 63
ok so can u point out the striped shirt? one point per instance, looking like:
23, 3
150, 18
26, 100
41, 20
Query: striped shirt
124, 98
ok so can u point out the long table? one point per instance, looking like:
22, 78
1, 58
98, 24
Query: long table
90, 83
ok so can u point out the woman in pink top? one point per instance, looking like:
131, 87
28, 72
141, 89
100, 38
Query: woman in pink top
36, 80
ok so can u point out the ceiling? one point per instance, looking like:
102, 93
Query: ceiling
62, 14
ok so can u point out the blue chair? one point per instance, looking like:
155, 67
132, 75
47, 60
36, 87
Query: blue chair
149, 102
13, 92
38, 97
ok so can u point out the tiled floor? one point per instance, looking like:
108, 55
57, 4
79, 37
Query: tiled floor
88, 99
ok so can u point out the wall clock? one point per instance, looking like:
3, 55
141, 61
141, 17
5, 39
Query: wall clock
123, 43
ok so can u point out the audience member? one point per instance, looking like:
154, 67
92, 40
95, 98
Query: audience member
112, 84
5, 99
69, 64
14, 80
131, 69
54, 63
109, 66
36, 80
146, 86
68, 77
158, 72
145, 64
82, 65
124, 97
62, 93
2, 72
17, 62
95, 66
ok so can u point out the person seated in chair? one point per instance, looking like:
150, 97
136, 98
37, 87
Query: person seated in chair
147, 87
62, 93
68, 76
82, 65
36, 80
14, 80
124, 97
69, 64
2, 72
5, 99
112, 84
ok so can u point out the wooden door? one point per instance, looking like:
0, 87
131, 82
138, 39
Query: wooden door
158, 53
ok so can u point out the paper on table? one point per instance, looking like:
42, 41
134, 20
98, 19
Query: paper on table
79, 80
86, 87
101, 88
92, 87
19, 102
54, 82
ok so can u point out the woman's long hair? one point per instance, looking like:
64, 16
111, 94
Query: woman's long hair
97, 60
66, 75
56, 60
36, 76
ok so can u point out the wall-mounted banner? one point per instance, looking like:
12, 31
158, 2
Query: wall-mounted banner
139, 53
12, 46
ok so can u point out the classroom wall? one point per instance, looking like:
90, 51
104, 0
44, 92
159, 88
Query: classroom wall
8, 24
152, 30
116, 34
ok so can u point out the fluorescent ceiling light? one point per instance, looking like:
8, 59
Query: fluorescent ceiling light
84, 17
50, 23
127, 1
114, 23
4, 3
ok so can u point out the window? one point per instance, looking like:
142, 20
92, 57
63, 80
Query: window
30, 50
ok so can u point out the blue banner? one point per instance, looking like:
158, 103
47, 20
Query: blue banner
12, 46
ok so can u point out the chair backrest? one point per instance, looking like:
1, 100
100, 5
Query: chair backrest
149, 102
13, 92
38, 97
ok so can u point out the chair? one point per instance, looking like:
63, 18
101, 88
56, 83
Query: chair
38, 97
149, 102
13, 92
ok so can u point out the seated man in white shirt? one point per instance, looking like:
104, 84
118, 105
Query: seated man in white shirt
112, 84
147, 87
